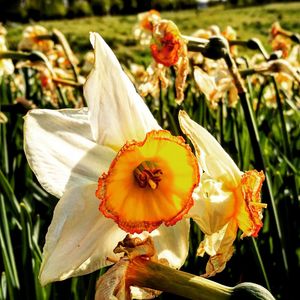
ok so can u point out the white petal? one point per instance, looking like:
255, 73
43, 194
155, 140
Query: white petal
79, 238
205, 82
214, 205
60, 149
117, 112
212, 157
172, 242
220, 247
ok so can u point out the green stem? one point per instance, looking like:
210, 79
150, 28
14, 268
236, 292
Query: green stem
259, 162
146, 273
260, 165
261, 264
67, 49
156, 276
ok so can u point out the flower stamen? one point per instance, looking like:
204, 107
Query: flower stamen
147, 174
258, 204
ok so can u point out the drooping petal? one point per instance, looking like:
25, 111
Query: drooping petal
60, 149
250, 212
220, 247
112, 285
212, 157
172, 242
214, 205
117, 112
205, 82
79, 238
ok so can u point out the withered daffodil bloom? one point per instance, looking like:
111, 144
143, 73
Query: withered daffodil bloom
170, 49
142, 31
115, 171
227, 199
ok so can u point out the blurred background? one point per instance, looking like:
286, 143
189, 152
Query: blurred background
25, 10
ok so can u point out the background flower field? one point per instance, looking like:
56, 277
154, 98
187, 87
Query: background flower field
272, 259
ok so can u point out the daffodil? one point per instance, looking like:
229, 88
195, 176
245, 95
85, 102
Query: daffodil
149, 81
216, 85
33, 38
142, 31
230, 34
115, 171
170, 49
6, 65
227, 199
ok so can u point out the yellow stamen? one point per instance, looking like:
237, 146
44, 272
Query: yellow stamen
258, 204
147, 174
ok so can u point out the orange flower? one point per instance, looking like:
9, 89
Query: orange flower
283, 44
275, 29
168, 45
170, 49
146, 19
149, 183
142, 31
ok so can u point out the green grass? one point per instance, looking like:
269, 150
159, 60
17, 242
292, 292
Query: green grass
117, 30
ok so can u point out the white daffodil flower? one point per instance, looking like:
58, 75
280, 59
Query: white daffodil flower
114, 170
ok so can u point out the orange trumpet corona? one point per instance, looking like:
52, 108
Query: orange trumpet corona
149, 183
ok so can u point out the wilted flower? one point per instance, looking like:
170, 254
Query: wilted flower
36, 37
114, 152
6, 65
116, 281
230, 34
283, 44
278, 66
45, 77
143, 30
151, 80
170, 49
216, 86
3, 118
227, 199
88, 63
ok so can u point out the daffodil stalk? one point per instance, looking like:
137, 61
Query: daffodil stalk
252, 44
291, 206
59, 36
218, 48
254, 136
286, 142
145, 273
277, 65
19, 55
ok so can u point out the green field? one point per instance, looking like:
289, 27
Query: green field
117, 30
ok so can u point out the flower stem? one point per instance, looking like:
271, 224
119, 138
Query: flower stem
148, 274
145, 273
258, 154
